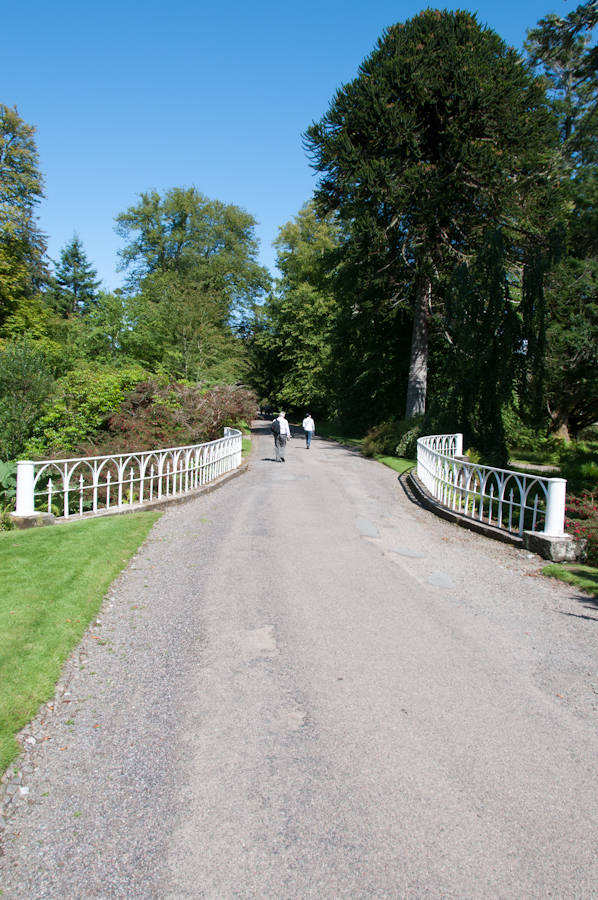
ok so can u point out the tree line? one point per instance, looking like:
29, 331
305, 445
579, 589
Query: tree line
72, 354
443, 275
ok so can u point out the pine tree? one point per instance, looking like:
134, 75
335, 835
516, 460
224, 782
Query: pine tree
75, 283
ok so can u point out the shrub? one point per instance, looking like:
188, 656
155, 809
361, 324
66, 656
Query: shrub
407, 446
81, 402
153, 416
581, 520
383, 439
25, 383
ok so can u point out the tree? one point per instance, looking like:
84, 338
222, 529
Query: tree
481, 365
565, 53
290, 345
22, 246
444, 134
562, 50
75, 283
193, 237
192, 263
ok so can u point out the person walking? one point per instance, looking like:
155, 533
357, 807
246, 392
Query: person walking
281, 431
309, 426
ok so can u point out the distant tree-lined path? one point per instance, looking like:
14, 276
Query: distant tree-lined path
307, 687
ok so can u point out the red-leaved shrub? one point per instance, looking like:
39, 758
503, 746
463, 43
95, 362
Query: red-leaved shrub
581, 521
153, 417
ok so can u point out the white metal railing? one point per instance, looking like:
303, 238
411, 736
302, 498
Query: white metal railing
501, 497
90, 484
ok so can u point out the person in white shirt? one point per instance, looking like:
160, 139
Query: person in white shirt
281, 433
309, 426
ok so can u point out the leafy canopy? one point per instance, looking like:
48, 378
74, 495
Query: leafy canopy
22, 246
185, 234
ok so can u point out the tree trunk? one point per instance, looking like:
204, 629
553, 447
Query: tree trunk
418, 367
559, 423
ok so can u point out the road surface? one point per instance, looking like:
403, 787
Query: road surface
308, 687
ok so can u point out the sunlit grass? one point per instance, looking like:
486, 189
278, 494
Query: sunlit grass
52, 581
397, 463
583, 577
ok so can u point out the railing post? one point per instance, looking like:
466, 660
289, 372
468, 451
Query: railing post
554, 525
25, 482
458, 444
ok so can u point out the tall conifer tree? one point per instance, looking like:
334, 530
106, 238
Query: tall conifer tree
444, 134
76, 284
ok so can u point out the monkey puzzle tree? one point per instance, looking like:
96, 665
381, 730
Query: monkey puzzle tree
444, 134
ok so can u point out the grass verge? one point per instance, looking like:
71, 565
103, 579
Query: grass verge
246, 446
397, 463
52, 582
333, 431
583, 577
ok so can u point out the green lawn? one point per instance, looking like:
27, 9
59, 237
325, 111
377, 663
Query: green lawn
52, 582
583, 577
397, 463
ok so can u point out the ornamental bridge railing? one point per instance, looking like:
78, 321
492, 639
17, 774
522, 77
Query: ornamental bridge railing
513, 501
75, 487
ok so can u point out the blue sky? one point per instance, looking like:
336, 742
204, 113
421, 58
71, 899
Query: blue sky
133, 95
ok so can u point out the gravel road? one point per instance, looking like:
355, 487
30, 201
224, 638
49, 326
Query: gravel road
305, 686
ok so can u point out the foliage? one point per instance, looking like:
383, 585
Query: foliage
8, 480
8, 492
484, 349
107, 329
179, 330
22, 247
193, 277
525, 442
581, 520
25, 384
46, 609
370, 342
407, 446
81, 401
335, 430
290, 345
564, 51
443, 135
177, 414
75, 285
384, 438
6, 522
